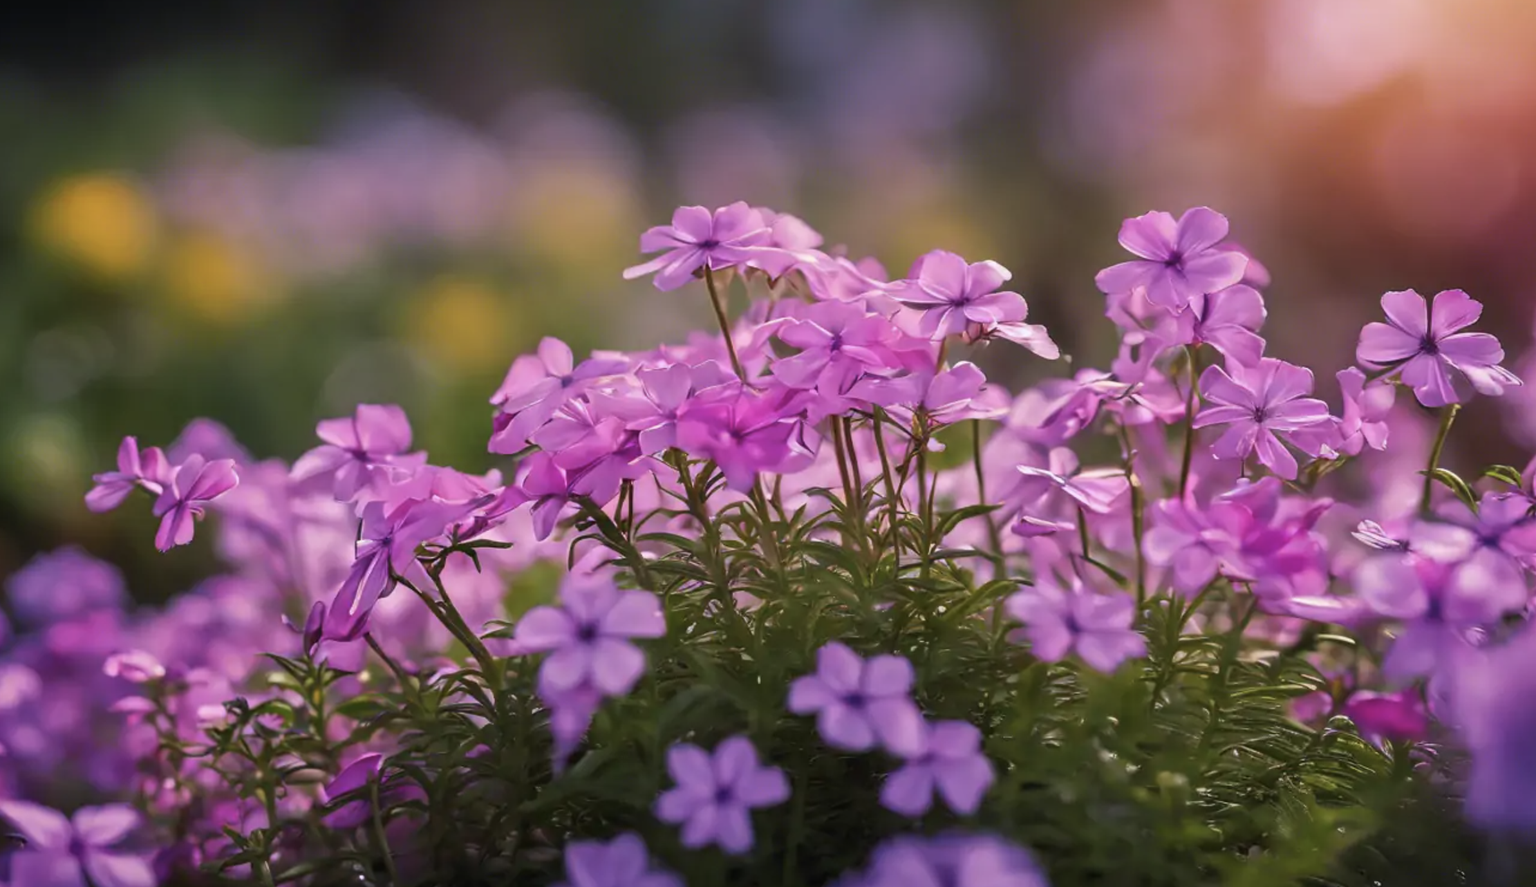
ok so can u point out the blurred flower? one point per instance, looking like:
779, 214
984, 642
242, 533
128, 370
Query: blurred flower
621, 862
950, 762
214, 279
860, 702
102, 221
715, 793
60, 851
61, 585
462, 324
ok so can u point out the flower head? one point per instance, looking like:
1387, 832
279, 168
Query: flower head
621, 862
589, 636
728, 237
356, 448
148, 470
860, 702
1421, 342
716, 793
1057, 621
950, 860
948, 294
62, 852
1258, 403
949, 761
192, 485
1177, 260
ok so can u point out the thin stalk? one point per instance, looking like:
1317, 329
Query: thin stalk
892, 500
1447, 416
1138, 515
1193, 354
981, 492
379, 836
725, 324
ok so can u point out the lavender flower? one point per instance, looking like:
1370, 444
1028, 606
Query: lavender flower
148, 470
950, 860
1421, 342
859, 703
1178, 260
589, 636
716, 793
1097, 626
950, 761
1259, 403
948, 294
356, 448
621, 862
728, 237
62, 852
60, 585
191, 486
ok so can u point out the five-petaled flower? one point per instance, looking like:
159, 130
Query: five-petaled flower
1258, 403
1179, 260
621, 862
358, 447
62, 852
859, 703
716, 793
589, 636
950, 761
1421, 342
148, 470
191, 485
1058, 621
698, 239
949, 294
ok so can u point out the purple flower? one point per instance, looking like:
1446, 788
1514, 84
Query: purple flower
1227, 320
933, 400
1490, 699
353, 805
834, 338
1396, 716
950, 761
1178, 260
1257, 403
387, 543
62, 852
549, 490
859, 703
948, 293
192, 484
588, 636
148, 470
950, 860
621, 862
652, 410
60, 585
744, 433
1364, 423
1058, 491
715, 794
356, 447
537, 386
1420, 341
1097, 626
730, 236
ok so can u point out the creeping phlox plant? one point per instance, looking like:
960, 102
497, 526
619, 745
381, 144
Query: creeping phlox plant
806, 600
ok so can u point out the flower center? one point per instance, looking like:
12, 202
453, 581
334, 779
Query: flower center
1175, 259
1428, 345
586, 632
854, 700
1260, 414
723, 796
711, 243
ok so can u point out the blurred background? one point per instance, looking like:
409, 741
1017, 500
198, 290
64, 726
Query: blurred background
264, 213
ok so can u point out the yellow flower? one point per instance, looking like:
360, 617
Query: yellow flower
463, 325
101, 221
213, 279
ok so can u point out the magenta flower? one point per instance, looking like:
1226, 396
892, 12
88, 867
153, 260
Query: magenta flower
1421, 344
1010, 327
537, 386
356, 448
353, 805
1178, 260
950, 860
1097, 626
192, 485
549, 490
696, 239
148, 470
744, 433
589, 636
621, 862
934, 400
63, 852
1050, 497
1258, 403
834, 338
948, 294
652, 410
715, 794
1364, 422
1227, 320
950, 761
860, 703
61, 585
1399, 716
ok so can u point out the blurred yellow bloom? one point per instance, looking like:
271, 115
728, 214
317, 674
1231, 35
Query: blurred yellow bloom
574, 218
101, 221
939, 227
213, 279
463, 325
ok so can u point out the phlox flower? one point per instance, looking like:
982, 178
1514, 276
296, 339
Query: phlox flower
356, 448
63, 584
1421, 342
926, 401
948, 294
1366, 407
148, 470
744, 433
1489, 701
191, 485
949, 860
537, 385
1177, 260
716, 793
63, 852
1258, 404
621, 862
949, 761
1049, 497
352, 805
547, 487
834, 338
859, 703
1227, 320
651, 408
589, 637
1398, 716
1057, 621
698, 239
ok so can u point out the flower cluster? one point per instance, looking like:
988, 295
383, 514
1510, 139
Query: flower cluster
775, 589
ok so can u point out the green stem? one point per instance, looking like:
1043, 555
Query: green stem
379, 836
1193, 354
725, 324
1447, 416
1138, 515
981, 493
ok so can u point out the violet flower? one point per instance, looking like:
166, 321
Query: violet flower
63, 852
589, 636
652, 410
948, 294
621, 862
1366, 407
933, 400
859, 703
1496, 729
745, 433
950, 761
356, 447
1421, 344
716, 793
537, 386
1059, 490
1227, 320
191, 486
730, 236
549, 490
63, 584
1178, 260
148, 470
348, 792
1099, 627
833, 338
950, 860
1258, 404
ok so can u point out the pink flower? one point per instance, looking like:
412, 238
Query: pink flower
192, 484
538, 385
933, 400
148, 470
1227, 320
949, 294
859, 703
697, 239
1179, 260
716, 793
1421, 343
356, 448
745, 433
588, 637
949, 761
61, 852
1058, 621
1259, 403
